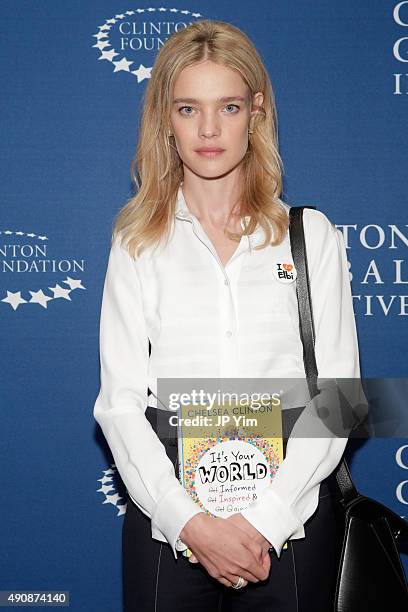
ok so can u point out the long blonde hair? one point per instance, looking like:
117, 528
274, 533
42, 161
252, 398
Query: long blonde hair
156, 169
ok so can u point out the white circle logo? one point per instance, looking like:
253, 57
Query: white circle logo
128, 39
284, 272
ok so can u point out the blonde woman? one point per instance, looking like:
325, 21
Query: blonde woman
190, 278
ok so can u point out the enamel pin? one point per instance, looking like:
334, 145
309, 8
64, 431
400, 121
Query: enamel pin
284, 272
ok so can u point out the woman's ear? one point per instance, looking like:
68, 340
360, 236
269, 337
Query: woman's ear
257, 101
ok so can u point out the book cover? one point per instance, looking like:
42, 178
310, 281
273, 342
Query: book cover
228, 454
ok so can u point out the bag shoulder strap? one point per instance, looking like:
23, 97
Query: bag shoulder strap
307, 331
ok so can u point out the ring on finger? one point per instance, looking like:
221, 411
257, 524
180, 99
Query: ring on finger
239, 584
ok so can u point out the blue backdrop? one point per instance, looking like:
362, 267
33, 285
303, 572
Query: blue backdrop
72, 79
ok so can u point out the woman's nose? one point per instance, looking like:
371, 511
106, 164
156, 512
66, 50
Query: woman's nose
209, 126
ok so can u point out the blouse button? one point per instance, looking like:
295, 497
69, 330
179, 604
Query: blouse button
228, 333
226, 282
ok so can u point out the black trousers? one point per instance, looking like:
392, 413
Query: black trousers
301, 580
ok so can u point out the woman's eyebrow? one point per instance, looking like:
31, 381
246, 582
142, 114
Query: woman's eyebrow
195, 101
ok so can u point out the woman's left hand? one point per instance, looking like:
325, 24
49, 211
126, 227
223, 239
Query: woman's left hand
241, 522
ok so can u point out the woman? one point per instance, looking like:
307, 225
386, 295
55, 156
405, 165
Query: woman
192, 272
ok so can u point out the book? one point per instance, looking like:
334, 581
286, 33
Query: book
228, 454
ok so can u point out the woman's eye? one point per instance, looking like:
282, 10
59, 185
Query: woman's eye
183, 108
232, 105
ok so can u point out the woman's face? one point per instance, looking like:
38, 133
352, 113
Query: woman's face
211, 108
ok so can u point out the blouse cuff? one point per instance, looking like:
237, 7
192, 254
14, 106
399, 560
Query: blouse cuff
172, 512
274, 519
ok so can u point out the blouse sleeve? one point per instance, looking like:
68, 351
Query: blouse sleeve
119, 409
293, 495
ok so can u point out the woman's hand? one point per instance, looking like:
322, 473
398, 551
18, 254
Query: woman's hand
225, 550
241, 522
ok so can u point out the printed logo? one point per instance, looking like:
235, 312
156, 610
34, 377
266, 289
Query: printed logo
29, 269
110, 482
399, 49
130, 40
284, 272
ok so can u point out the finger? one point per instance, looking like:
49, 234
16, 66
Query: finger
233, 575
267, 562
250, 575
233, 579
250, 572
246, 575
225, 582
247, 571
256, 567
255, 549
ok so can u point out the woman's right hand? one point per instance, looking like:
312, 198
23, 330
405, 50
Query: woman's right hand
225, 550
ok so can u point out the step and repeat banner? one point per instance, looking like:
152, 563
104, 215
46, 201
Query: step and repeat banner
72, 82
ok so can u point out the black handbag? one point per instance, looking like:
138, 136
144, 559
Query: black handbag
370, 573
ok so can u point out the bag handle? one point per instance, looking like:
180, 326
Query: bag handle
307, 331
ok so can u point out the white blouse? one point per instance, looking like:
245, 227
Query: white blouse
209, 321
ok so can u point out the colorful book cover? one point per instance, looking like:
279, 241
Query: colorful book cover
228, 454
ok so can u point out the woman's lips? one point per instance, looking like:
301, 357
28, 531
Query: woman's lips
210, 152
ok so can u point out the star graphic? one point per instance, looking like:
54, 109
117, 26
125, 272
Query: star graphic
112, 499
110, 471
31, 235
39, 297
104, 27
14, 299
60, 292
73, 283
119, 16
105, 479
7, 232
100, 35
102, 44
108, 55
19, 233
105, 489
42, 238
142, 73
130, 12
122, 509
111, 20
123, 64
